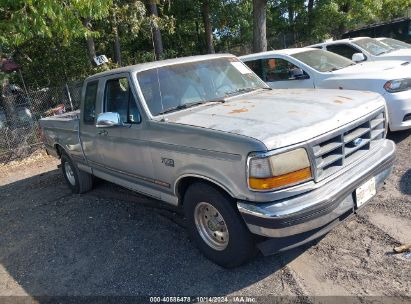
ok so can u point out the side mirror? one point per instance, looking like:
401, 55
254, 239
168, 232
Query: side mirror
108, 119
358, 57
298, 73
134, 118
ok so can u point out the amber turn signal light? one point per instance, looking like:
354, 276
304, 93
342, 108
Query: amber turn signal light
281, 180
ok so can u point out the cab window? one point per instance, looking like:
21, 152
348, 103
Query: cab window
343, 50
119, 98
255, 66
278, 69
90, 102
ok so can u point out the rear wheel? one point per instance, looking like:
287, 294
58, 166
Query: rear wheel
78, 181
216, 226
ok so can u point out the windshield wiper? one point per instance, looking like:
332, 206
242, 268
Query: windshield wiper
335, 69
340, 68
190, 104
384, 52
181, 107
239, 91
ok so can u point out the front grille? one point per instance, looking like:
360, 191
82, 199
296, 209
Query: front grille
334, 151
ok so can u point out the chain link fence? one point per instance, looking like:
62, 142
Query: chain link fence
20, 112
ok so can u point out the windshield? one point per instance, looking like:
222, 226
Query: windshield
175, 87
396, 44
373, 46
323, 61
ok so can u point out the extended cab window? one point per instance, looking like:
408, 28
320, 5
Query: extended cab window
277, 69
119, 98
343, 49
90, 102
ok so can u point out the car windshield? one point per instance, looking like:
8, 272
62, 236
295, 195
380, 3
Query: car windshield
323, 61
396, 44
373, 46
179, 86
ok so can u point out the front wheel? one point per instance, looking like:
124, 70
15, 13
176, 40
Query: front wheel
216, 226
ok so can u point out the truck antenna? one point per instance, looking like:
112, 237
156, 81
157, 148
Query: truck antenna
161, 96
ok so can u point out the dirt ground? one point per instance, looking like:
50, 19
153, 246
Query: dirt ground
114, 242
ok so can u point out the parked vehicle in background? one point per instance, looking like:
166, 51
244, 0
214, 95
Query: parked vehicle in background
313, 68
399, 29
206, 134
364, 48
394, 43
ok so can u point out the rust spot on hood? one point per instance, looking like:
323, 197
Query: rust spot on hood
236, 111
338, 101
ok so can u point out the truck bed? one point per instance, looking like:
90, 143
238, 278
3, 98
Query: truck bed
68, 121
62, 130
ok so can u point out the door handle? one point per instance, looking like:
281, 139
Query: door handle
102, 132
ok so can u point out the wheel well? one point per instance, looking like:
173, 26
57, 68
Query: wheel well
185, 182
59, 150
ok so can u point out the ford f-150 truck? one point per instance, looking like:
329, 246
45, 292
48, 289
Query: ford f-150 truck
250, 166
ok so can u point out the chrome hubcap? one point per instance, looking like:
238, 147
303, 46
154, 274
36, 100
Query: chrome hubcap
211, 226
69, 173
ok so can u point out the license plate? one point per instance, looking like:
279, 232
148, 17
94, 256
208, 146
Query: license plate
365, 192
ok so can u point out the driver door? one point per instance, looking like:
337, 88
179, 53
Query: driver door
124, 149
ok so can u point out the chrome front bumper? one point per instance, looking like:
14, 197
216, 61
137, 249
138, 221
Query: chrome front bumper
297, 220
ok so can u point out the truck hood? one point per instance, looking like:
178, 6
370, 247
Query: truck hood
280, 118
387, 70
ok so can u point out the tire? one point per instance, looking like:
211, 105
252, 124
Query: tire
232, 244
77, 180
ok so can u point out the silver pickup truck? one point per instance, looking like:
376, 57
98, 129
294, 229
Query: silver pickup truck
250, 166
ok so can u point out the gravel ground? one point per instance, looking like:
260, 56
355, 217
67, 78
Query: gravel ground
114, 242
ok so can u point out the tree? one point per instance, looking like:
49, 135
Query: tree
155, 29
125, 15
205, 10
21, 21
91, 47
259, 25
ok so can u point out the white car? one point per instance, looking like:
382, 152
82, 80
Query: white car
364, 48
394, 43
314, 68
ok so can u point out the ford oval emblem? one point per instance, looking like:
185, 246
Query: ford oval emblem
357, 142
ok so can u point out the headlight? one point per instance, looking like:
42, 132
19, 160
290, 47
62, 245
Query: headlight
398, 85
277, 171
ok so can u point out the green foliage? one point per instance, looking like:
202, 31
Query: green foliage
393, 9
47, 37
21, 20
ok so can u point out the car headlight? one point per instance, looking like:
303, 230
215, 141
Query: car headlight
398, 85
280, 170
